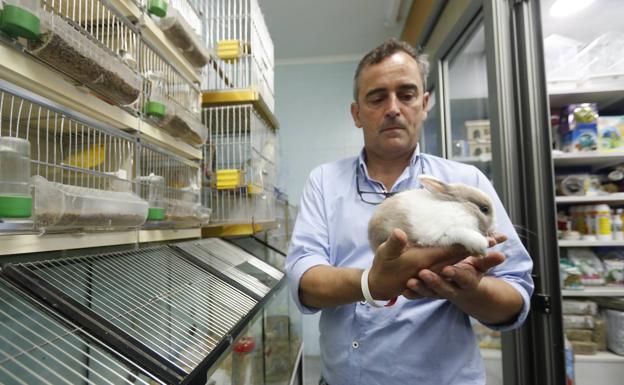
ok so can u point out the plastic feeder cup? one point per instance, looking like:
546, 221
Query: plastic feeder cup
157, 7
155, 109
15, 206
17, 21
155, 214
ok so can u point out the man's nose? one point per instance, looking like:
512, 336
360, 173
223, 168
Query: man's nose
393, 109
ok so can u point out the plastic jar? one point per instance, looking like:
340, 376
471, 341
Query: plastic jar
152, 189
15, 197
603, 222
20, 18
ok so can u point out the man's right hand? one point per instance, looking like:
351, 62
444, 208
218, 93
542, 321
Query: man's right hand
396, 261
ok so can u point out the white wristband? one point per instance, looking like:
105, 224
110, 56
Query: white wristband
366, 291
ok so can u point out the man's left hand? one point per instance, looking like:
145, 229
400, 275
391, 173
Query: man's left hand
451, 281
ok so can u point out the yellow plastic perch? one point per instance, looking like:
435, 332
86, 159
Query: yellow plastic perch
228, 179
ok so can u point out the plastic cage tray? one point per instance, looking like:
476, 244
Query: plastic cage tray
158, 307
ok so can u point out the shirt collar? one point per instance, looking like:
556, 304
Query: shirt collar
362, 159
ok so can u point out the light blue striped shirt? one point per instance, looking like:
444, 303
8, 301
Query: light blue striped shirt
421, 342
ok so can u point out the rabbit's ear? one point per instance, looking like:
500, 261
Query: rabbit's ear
434, 185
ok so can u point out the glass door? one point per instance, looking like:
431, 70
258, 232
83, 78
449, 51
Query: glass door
469, 133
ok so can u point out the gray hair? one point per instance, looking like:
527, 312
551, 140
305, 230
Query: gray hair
387, 49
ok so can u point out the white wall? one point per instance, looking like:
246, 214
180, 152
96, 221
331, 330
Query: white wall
312, 106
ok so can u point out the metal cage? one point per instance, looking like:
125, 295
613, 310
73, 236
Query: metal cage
81, 170
237, 32
91, 43
181, 193
239, 165
171, 101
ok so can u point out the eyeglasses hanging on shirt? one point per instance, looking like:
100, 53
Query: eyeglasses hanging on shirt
376, 197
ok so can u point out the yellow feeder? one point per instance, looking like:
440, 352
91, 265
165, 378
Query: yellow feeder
229, 49
228, 179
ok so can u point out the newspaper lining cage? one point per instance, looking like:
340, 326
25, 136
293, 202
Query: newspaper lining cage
239, 165
237, 32
86, 40
80, 170
171, 101
180, 199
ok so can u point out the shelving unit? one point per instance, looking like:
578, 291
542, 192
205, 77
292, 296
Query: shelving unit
595, 291
616, 198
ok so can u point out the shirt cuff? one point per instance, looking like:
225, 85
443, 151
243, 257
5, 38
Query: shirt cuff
519, 320
294, 277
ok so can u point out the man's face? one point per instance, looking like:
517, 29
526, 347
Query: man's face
391, 106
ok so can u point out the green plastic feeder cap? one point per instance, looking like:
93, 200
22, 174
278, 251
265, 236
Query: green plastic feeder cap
15, 206
17, 21
155, 109
155, 214
157, 7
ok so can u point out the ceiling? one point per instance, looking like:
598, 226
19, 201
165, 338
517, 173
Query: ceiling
313, 30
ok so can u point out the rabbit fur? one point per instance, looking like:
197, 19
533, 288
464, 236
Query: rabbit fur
441, 214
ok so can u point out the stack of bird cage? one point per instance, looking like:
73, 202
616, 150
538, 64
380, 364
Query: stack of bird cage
171, 186
239, 172
171, 101
180, 22
236, 31
86, 40
63, 172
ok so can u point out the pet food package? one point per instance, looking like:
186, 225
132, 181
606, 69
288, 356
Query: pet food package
590, 266
578, 322
611, 133
60, 206
614, 271
615, 330
579, 128
584, 347
575, 307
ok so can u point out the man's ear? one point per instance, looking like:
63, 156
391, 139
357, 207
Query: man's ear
355, 113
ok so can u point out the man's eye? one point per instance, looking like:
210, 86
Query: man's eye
407, 97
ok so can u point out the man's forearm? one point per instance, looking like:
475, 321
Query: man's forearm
493, 302
327, 286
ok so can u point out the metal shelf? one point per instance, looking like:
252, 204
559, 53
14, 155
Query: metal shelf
592, 158
36, 243
597, 291
604, 92
581, 243
610, 198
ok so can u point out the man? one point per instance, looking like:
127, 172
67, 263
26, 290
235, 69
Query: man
426, 337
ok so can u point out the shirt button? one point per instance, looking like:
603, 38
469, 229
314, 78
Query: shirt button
362, 302
355, 344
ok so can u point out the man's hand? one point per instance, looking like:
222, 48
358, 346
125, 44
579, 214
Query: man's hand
448, 281
396, 262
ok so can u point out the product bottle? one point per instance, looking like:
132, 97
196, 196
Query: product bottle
616, 220
603, 222
569, 361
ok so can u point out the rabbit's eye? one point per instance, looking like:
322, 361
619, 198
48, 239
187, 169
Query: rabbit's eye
484, 209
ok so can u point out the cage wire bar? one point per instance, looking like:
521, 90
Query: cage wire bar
239, 166
93, 44
181, 197
172, 306
40, 348
237, 32
73, 161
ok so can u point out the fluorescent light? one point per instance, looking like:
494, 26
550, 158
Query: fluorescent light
563, 8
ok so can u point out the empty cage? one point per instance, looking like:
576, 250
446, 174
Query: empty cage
236, 31
239, 165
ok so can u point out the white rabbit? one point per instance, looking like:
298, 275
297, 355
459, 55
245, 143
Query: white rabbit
441, 214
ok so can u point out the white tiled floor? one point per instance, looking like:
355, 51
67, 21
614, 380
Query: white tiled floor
311, 370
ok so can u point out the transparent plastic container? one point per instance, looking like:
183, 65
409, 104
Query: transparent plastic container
21, 18
152, 189
185, 210
69, 51
155, 107
558, 52
602, 54
59, 206
15, 198
182, 35
184, 125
